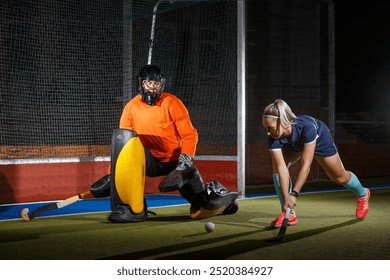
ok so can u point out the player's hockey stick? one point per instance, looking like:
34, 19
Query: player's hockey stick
56, 205
283, 228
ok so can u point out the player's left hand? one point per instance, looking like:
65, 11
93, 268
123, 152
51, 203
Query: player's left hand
291, 202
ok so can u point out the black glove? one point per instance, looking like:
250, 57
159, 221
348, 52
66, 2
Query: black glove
185, 162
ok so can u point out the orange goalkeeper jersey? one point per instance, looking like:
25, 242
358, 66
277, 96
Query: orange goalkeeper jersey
165, 129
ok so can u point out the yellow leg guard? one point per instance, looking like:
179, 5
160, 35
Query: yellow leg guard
128, 169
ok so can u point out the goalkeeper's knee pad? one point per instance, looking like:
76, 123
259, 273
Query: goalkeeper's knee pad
101, 188
193, 189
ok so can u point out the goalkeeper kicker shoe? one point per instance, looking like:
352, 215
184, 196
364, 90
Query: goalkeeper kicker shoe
292, 220
123, 214
362, 205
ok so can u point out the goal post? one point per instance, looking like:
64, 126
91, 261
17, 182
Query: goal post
241, 97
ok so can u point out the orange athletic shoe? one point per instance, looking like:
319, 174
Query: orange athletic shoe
292, 220
362, 205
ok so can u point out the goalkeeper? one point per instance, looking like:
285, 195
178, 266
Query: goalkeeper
156, 138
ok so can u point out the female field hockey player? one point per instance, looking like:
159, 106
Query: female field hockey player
291, 137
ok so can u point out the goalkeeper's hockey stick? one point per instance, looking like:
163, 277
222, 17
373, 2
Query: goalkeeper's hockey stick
283, 228
52, 206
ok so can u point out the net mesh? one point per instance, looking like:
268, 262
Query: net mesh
288, 43
67, 70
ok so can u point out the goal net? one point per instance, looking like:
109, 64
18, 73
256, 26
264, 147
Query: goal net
67, 69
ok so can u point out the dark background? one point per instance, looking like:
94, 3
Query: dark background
362, 56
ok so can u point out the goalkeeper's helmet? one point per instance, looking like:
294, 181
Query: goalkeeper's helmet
150, 83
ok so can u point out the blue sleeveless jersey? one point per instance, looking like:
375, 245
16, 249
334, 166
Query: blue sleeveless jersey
305, 130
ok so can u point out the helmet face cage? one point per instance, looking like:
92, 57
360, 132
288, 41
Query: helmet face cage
147, 74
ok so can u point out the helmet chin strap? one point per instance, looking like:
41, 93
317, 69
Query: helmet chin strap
150, 98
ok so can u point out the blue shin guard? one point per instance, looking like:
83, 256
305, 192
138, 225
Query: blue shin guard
275, 178
355, 186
